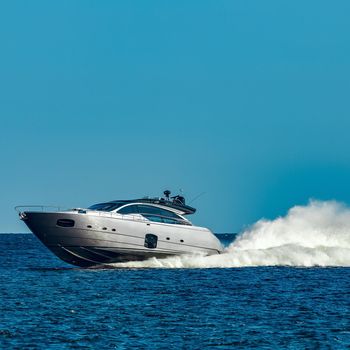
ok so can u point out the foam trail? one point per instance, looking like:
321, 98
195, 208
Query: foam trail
317, 234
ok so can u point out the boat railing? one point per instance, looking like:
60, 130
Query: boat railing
56, 208
134, 217
42, 208
146, 217
107, 214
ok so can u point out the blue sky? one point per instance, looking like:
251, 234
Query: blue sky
247, 101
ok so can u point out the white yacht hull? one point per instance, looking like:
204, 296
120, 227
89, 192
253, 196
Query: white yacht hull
102, 238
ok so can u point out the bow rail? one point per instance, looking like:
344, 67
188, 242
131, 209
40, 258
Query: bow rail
20, 208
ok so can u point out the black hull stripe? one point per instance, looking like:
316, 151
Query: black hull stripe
80, 257
147, 252
120, 248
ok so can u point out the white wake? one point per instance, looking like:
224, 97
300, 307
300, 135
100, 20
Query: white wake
317, 234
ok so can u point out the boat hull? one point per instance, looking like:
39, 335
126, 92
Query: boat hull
95, 239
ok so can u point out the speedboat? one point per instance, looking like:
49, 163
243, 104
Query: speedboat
120, 231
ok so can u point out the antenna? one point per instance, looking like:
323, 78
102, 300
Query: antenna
200, 195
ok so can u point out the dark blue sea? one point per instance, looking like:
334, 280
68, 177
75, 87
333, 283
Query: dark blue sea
46, 304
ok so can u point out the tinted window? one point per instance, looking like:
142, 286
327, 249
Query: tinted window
171, 221
145, 209
168, 213
130, 209
106, 206
154, 214
155, 218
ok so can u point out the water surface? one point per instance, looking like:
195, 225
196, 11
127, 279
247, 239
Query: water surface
47, 304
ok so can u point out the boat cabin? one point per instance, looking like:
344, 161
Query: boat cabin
165, 210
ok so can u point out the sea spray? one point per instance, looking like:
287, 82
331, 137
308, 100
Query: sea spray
317, 234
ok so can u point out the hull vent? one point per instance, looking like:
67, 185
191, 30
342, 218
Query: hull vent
65, 223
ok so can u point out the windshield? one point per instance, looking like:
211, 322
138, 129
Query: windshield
106, 206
